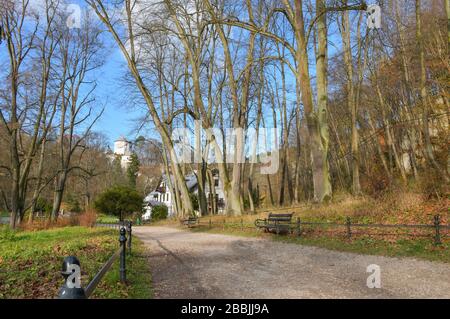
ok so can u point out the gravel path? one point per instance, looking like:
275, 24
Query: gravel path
202, 265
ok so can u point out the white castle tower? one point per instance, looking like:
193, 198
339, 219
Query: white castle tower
123, 148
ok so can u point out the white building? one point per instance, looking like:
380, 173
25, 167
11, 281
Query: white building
163, 195
122, 148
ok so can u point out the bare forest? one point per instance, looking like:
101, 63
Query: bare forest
357, 110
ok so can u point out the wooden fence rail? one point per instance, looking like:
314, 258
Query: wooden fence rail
299, 227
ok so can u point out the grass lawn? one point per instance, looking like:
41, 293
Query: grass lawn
422, 248
107, 219
30, 262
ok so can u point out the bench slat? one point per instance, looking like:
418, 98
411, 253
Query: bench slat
280, 218
280, 215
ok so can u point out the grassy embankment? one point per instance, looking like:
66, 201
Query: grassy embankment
405, 209
30, 262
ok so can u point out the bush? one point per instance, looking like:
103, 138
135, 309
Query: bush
119, 201
159, 212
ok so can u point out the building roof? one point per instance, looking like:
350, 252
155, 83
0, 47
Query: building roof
154, 203
191, 180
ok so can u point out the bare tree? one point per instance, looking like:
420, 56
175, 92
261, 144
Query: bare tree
127, 45
27, 118
79, 53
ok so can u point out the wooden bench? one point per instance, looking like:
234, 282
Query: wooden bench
276, 223
189, 222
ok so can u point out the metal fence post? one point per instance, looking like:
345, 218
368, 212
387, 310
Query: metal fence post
210, 223
123, 242
224, 223
348, 224
242, 224
298, 226
437, 236
71, 271
129, 230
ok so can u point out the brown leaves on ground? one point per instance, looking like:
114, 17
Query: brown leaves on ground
39, 276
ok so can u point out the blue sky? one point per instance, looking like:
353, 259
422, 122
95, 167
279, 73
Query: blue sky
120, 114
119, 117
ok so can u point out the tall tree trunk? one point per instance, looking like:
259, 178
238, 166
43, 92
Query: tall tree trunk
389, 137
351, 100
322, 90
424, 98
212, 192
37, 188
299, 149
201, 181
412, 133
447, 8
319, 156
378, 147
260, 99
58, 195
269, 183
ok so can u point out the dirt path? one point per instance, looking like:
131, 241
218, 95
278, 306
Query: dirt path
202, 265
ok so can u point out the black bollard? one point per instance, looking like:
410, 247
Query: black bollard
129, 230
123, 242
71, 271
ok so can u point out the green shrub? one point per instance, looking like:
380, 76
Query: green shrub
159, 212
119, 201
